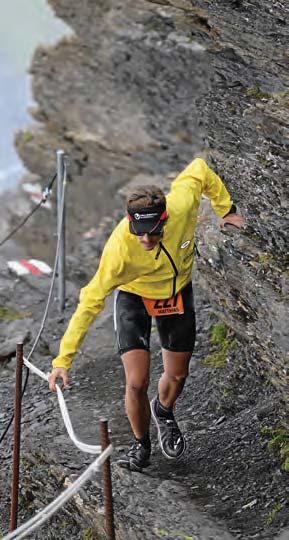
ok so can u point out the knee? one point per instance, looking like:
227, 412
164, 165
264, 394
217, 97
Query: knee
137, 387
177, 377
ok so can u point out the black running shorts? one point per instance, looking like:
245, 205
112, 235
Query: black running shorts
133, 324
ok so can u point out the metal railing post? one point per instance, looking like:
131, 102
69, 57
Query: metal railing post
106, 483
17, 434
61, 229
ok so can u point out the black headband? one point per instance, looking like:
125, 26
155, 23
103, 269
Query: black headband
147, 220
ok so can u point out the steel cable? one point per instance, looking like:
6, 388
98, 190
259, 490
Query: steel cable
49, 294
45, 195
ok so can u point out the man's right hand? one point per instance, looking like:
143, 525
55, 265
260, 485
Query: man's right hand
233, 219
58, 373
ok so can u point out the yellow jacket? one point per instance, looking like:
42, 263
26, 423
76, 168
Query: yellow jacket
158, 273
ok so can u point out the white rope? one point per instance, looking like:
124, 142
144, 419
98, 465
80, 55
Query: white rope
49, 295
54, 267
49, 510
89, 448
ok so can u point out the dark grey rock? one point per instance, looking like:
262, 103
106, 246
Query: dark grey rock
12, 333
149, 86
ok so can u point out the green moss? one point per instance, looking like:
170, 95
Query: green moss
265, 258
227, 392
264, 161
21, 500
216, 360
161, 533
272, 514
219, 337
284, 94
219, 334
27, 136
257, 93
8, 315
87, 534
279, 440
282, 98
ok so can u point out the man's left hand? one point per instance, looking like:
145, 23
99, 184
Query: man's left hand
233, 219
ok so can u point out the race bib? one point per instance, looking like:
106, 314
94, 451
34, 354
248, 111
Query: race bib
168, 306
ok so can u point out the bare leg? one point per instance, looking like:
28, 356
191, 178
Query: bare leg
171, 383
136, 366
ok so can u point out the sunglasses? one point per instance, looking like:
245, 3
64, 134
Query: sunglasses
150, 234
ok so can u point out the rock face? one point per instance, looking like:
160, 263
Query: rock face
228, 485
247, 274
141, 88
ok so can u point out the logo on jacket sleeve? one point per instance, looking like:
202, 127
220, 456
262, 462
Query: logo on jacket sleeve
185, 244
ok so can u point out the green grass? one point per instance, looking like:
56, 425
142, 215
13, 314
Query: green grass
8, 315
27, 136
272, 514
265, 258
161, 533
264, 161
257, 92
279, 440
219, 337
87, 534
219, 334
217, 359
281, 97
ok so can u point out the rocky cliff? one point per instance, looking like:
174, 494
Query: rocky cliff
139, 90
144, 86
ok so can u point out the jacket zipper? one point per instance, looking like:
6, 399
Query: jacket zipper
172, 263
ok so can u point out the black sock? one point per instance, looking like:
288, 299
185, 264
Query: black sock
145, 440
163, 411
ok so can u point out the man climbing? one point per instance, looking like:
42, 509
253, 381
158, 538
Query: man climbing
148, 262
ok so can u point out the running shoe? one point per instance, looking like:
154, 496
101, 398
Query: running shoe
136, 459
170, 437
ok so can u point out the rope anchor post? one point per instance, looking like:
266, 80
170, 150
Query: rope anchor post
61, 179
106, 483
17, 433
